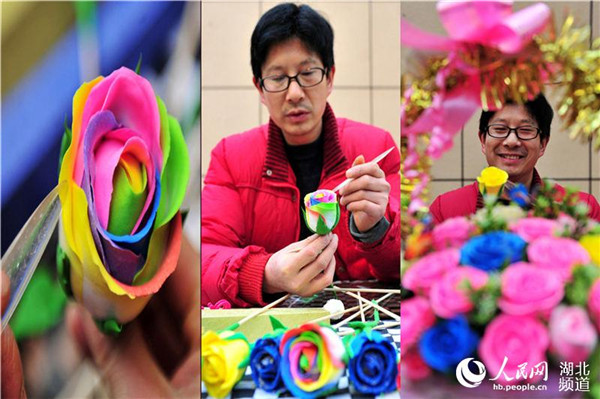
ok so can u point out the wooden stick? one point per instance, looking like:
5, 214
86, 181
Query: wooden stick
366, 307
341, 323
258, 312
381, 309
362, 313
375, 290
379, 327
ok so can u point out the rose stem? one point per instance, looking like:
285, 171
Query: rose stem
379, 327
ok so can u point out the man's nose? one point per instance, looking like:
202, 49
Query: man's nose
512, 139
295, 92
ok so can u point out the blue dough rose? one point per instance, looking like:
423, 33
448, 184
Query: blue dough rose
373, 363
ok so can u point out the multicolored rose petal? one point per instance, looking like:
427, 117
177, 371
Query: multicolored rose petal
123, 179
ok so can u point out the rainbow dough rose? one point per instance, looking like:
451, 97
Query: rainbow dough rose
322, 211
121, 183
313, 358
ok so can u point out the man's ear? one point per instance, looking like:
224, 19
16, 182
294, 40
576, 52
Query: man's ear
543, 144
330, 75
260, 90
482, 140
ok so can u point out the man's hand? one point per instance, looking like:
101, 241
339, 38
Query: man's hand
367, 195
156, 355
303, 268
12, 371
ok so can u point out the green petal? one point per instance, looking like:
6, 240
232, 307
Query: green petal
165, 136
175, 175
125, 204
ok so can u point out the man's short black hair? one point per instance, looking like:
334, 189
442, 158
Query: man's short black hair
538, 108
287, 21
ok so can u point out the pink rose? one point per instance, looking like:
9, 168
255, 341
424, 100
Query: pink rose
450, 296
533, 228
572, 335
527, 290
519, 338
558, 254
594, 303
416, 318
424, 272
452, 233
413, 365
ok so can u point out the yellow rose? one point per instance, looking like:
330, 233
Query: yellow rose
491, 180
591, 243
224, 360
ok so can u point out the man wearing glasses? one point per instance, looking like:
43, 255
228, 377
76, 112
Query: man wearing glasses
512, 139
255, 245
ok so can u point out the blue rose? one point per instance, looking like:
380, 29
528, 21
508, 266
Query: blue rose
373, 363
264, 362
448, 342
519, 195
493, 250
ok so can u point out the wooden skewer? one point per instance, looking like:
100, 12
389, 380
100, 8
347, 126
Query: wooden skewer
341, 323
375, 290
258, 312
366, 307
379, 327
362, 313
381, 309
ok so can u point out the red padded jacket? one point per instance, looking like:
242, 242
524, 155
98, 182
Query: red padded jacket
250, 208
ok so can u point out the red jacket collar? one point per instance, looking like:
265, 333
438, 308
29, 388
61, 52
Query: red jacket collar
276, 163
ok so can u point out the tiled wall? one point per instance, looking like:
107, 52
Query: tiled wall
367, 57
569, 163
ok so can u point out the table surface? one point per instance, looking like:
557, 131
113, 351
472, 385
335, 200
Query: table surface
247, 389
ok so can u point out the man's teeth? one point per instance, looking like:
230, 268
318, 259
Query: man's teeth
511, 156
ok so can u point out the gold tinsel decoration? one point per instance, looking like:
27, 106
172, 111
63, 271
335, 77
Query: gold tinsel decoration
408, 185
578, 70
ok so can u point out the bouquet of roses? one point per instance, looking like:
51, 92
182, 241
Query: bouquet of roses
517, 286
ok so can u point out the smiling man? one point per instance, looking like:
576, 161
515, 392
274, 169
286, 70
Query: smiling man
512, 139
255, 246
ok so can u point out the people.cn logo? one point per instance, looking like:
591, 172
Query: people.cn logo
466, 377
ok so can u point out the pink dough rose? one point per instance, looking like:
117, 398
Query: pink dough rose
572, 335
452, 233
519, 338
414, 366
416, 318
594, 303
450, 295
558, 254
531, 229
424, 272
527, 290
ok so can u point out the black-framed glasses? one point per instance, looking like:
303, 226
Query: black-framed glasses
500, 131
308, 78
